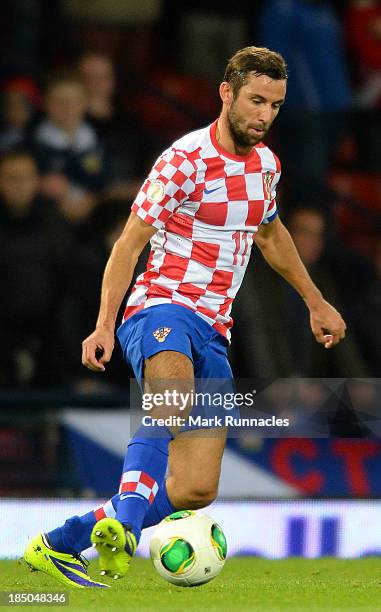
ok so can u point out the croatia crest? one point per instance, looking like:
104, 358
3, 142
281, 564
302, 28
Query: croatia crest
161, 333
268, 178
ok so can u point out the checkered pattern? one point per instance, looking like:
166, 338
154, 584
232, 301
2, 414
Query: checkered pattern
106, 509
212, 206
161, 333
139, 483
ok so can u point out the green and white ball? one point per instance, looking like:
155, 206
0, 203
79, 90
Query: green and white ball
188, 548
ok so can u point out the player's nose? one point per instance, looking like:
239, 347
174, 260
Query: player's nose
265, 114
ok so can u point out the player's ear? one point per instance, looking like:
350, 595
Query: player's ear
226, 93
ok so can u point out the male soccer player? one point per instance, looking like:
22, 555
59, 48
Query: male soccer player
205, 201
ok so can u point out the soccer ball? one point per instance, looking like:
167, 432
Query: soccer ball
188, 548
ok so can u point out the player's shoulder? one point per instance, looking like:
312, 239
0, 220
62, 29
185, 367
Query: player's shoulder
192, 144
269, 157
186, 150
193, 140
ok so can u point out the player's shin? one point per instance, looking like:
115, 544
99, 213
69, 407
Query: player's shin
143, 475
141, 502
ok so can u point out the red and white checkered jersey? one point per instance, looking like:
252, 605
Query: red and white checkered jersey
207, 205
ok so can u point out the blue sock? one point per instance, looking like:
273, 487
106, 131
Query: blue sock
74, 535
143, 474
142, 488
160, 508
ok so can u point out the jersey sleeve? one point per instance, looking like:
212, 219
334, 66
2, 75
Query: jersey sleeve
169, 184
272, 210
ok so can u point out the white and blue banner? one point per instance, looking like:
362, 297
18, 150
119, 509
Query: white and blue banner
274, 530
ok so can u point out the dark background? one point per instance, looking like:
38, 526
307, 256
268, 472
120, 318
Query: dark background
150, 70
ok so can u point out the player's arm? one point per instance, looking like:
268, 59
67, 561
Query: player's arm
116, 281
278, 249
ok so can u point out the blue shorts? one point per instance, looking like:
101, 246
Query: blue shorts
188, 333
141, 337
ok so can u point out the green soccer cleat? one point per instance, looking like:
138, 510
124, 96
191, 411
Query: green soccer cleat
116, 547
69, 569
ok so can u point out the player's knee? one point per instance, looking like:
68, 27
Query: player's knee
195, 497
201, 497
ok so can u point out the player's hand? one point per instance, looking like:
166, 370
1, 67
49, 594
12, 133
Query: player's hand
97, 349
327, 324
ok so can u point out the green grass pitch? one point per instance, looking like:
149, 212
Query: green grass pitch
245, 584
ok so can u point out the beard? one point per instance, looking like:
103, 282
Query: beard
239, 133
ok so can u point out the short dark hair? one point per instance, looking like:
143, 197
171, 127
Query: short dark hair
63, 78
258, 60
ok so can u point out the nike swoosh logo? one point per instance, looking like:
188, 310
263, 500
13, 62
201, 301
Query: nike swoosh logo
125, 495
211, 190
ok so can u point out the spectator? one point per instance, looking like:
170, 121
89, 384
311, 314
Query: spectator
82, 299
20, 101
33, 247
72, 162
308, 35
115, 127
283, 312
97, 73
364, 40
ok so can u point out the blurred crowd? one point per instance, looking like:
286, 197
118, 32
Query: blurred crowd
92, 92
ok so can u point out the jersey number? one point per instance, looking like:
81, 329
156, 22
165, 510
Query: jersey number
238, 238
